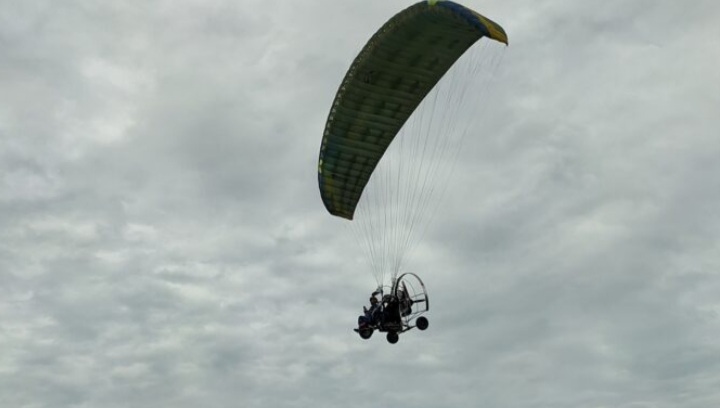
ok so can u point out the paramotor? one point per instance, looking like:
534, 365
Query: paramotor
394, 130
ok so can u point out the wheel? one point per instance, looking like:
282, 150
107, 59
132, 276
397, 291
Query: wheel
422, 323
392, 337
365, 333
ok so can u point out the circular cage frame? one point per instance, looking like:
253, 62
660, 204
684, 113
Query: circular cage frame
416, 293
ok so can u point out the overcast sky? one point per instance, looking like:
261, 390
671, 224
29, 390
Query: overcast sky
163, 242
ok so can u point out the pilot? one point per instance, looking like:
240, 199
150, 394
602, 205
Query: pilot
371, 314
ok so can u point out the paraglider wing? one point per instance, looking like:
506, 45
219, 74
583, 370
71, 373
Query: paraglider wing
388, 79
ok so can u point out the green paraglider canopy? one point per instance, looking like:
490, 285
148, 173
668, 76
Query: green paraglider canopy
386, 82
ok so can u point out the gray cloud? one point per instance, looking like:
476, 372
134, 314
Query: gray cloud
162, 240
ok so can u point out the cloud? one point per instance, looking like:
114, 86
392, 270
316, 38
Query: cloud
162, 240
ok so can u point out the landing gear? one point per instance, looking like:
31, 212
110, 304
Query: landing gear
421, 323
365, 333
